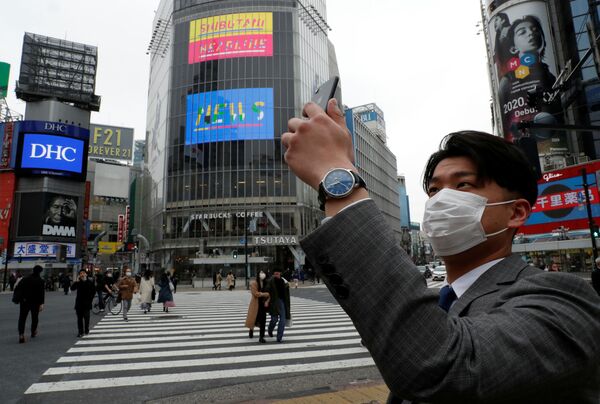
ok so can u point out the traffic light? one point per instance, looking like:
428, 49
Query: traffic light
234, 254
596, 231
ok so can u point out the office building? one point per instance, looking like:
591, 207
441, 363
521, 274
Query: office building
225, 77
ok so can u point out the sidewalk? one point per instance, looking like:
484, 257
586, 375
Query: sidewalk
371, 393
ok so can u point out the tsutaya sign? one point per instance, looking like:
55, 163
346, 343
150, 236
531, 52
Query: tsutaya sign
224, 215
275, 240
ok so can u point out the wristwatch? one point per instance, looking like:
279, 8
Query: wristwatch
338, 183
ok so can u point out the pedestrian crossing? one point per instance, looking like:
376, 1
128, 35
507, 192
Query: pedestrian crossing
203, 339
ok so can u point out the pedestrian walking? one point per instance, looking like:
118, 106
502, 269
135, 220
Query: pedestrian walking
174, 281
11, 281
279, 304
219, 280
230, 281
65, 283
147, 290
100, 288
83, 302
127, 287
257, 309
165, 294
214, 281
29, 294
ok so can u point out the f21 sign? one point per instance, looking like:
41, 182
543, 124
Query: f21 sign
61, 154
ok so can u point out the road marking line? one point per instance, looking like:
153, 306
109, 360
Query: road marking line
211, 351
202, 362
202, 343
291, 331
112, 382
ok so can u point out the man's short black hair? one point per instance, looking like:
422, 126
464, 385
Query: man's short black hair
495, 158
38, 269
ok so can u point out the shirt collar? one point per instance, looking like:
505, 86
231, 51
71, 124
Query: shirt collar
462, 284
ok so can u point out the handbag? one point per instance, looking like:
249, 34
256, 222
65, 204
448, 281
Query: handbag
169, 303
17, 295
153, 296
171, 287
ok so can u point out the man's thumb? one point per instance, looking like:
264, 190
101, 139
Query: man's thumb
335, 112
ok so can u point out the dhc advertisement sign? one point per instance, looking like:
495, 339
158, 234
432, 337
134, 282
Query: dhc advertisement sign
229, 115
52, 152
51, 148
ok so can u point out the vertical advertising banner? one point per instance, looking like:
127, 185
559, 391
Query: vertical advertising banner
224, 115
86, 215
231, 36
524, 57
561, 200
6, 138
7, 191
121, 225
126, 223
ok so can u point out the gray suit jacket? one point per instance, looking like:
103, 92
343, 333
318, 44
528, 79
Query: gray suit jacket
518, 334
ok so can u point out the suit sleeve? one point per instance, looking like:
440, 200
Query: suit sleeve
425, 354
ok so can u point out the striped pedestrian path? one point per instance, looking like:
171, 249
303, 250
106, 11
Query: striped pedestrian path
203, 339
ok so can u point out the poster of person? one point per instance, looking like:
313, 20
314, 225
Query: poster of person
524, 58
60, 218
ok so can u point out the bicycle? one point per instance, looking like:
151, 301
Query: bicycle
110, 303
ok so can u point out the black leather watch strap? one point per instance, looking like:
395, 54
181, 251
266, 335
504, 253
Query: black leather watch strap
358, 183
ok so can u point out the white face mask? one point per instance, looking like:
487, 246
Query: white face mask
452, 221
262, 276
128, 273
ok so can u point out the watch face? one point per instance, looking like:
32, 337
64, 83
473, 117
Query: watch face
338, 183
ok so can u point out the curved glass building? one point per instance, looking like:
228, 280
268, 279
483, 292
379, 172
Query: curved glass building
225, 78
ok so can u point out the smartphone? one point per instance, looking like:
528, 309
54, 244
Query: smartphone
327, 91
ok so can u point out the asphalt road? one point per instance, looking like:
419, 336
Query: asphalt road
22, 364
25, 364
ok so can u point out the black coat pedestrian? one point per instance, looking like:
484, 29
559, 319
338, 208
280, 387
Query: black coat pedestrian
32, 289
85, 294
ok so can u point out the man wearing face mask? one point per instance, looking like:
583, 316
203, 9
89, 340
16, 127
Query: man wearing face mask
83, 302
502, 331
127, 287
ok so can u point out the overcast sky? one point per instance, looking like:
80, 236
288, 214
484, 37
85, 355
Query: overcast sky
421, 61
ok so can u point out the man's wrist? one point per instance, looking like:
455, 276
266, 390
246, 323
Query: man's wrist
333, 206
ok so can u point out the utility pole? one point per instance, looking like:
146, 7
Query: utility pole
589, 213
246, 271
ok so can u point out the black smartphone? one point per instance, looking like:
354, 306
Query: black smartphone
327, 91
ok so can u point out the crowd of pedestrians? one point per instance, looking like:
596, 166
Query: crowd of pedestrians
29, 294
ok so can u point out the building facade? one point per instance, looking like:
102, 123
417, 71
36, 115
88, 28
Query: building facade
225, 77
551, 81
375, 161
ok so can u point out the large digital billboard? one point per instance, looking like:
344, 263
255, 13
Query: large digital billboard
561, 200
110, 142
230, 36
521, 43
58, 69
51, 148
227, 115
42, 151
48, 215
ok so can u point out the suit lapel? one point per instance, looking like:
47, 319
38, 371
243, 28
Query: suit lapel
504, 272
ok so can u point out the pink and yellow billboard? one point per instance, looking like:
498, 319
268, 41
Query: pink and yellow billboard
231, 36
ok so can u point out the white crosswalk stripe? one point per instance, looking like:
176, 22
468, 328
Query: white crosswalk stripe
204, 338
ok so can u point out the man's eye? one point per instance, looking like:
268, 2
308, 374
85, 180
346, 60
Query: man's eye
462, 185
432, 191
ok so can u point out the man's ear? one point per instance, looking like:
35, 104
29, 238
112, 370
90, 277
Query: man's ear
521, 212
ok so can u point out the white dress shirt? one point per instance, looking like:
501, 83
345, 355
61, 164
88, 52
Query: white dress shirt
463, 283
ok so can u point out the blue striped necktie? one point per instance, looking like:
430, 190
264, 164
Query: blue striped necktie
447, 297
